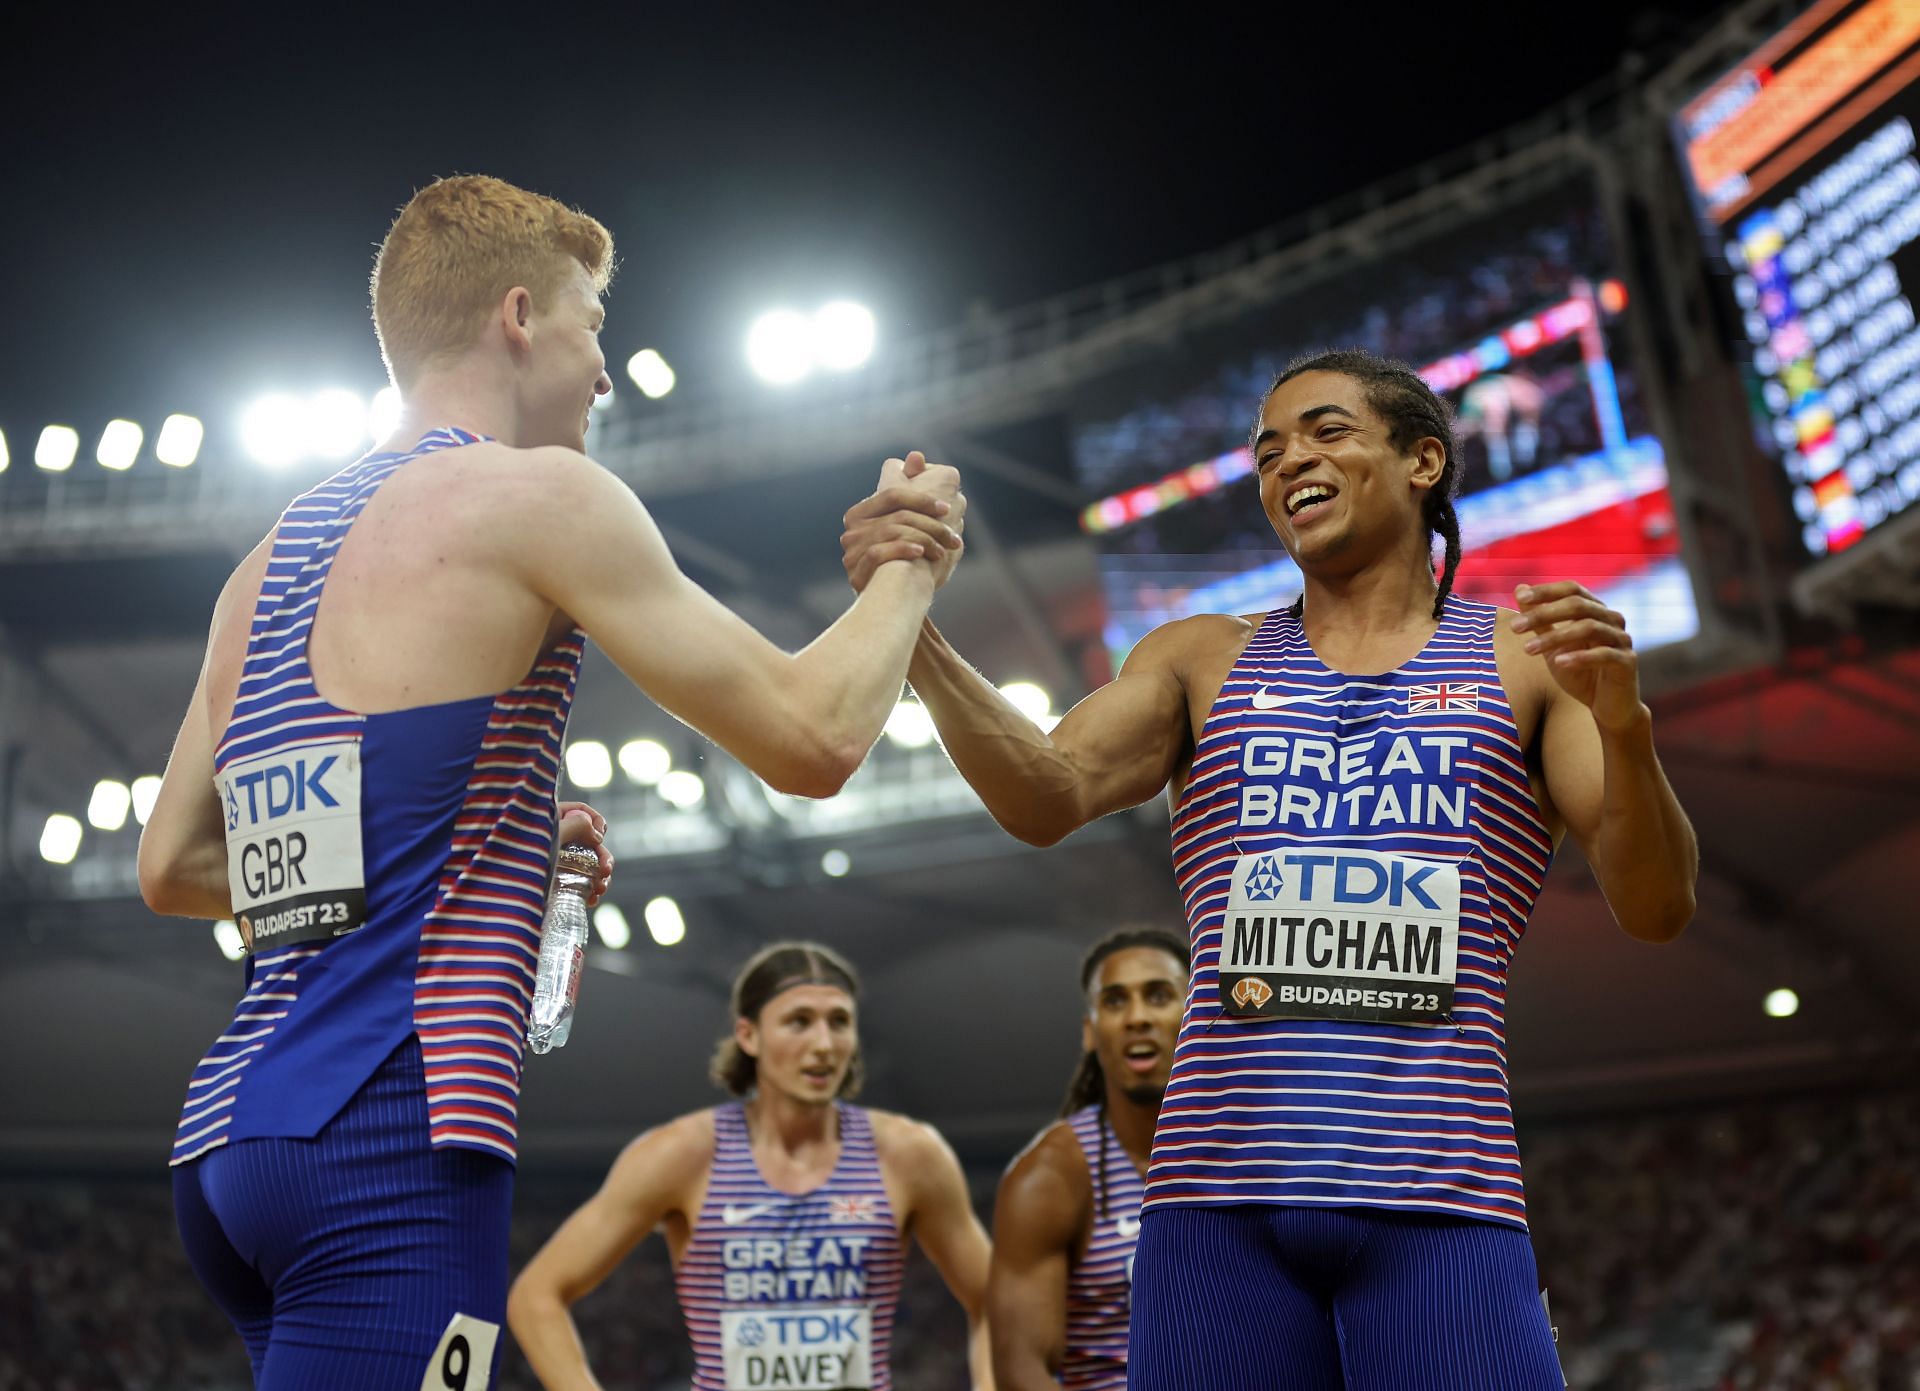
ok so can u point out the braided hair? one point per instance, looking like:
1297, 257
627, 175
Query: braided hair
1413, 412
1089, 1085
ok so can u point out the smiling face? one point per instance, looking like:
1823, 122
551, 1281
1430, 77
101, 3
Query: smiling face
562, 368
1133, 1018
1338, 491
802, 1043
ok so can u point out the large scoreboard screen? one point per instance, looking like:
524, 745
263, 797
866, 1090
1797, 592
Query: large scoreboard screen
1516, 320
1803, 166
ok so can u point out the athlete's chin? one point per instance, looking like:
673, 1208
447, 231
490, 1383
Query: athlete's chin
1146, 1093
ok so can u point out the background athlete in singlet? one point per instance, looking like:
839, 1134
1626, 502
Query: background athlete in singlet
786, 1212
386, 684
1068, 1213
1367, 790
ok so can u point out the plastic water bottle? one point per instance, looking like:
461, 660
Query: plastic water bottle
563, 949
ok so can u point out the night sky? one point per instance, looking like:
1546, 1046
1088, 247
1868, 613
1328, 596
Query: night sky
193, 201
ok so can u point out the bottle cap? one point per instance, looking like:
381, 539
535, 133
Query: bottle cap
579, 859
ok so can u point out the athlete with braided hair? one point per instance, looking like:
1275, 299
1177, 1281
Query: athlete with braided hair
1068, 1213
1367, 788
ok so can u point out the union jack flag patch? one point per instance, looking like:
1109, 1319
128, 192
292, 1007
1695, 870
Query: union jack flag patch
851, 1210
1449, 695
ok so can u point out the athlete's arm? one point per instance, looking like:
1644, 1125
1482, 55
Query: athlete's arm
1598, 761
802, 721
652, 1178
183, 847
940, 1217
1037, 1221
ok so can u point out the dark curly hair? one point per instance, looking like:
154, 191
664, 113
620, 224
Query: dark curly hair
1413, 412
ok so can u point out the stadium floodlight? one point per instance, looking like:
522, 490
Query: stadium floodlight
843, 335
665, 922
60, 839
108, 807
612, 925
780, 347
383, 416
56, 449
145, 790
835, 863
119, 445
910, 726
5, 458
227, 937
1782, 1003
336, 423
588, 764
650, 373
1033, 702
646, 761
683, 789
273, 429
179, 442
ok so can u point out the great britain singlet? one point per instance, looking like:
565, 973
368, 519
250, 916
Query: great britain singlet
393, 868
1358, 857
791, 1290
1100, 1285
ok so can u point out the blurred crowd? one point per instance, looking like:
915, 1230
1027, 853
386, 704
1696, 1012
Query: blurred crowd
1759, 1247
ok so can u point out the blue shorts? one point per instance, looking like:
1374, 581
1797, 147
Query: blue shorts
344, 1260
1276, 1298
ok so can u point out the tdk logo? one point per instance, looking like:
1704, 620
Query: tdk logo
1263, 881
261, 794
1349, 880
803, 1330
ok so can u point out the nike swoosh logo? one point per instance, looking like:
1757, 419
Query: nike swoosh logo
1265, 699
1129, 1226
734, 1216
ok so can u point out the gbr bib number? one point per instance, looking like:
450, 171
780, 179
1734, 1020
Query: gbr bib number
1332, 933
826, 1348
293, 843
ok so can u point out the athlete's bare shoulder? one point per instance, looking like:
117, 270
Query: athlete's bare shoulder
902, 1140
668, 1156
1047, 1192
1197, 637
1054, 1155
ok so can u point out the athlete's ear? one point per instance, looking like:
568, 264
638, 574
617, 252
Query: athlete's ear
747, 1036
516, 318
1429, 462
1087, 1040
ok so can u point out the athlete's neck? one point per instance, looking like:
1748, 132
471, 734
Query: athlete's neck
1347, 616
465, 399
797, 1129
1133, 1123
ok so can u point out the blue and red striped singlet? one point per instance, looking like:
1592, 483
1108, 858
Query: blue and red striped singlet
1100, 1285
1359, 857
393, 868
792, 1290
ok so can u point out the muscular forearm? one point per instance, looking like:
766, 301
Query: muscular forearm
1645, 855
545, 1331
980, 1357
1026, 783
188, 882
1023, 1369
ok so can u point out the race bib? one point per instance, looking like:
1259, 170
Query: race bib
464, 1359
825, 1349
293, 843
1330, 933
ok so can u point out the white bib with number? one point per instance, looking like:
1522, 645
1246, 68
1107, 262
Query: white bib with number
464, 1359
1328, 932
823, 1349
293, 843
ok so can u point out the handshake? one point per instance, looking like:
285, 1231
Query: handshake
917, 513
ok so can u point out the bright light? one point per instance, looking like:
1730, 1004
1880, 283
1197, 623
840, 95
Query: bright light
383, 416
588, 764
145, 791
336, 424
682, 788
119, 445
5, 458
1029, 699
780, 347
842, 335
646, 761
603, 399
664, 921
273, 428
60, 839
1782, 1003
227, 937
910, 725
58, 444
107, 810
179, 442
612, 925
835, 863
650, 373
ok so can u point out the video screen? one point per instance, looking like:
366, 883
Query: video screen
1516, 321
1803, 169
